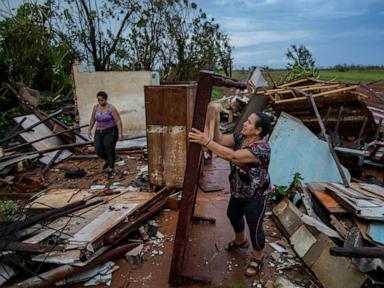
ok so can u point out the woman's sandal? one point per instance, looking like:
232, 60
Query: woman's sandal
232, 245
254, 266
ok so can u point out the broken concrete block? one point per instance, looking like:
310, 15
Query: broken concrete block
143, 233
302, 240
135, 256
336, 272
282, 282
313, 247
288, 215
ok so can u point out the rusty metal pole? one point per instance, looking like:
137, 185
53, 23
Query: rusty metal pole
326, 137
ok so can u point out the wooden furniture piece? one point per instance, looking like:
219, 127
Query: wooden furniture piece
169, 110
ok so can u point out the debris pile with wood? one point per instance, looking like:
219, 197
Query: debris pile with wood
72, 222
336, 225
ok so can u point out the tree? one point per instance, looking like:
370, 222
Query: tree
29, 52
301, 63
95, 28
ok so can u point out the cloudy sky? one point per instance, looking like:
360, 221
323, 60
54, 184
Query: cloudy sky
335, 31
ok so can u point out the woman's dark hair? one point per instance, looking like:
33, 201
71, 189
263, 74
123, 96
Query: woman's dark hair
102, 94
264, 122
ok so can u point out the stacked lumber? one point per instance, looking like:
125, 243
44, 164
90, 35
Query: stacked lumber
352, 112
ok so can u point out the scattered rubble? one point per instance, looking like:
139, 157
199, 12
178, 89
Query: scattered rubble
73, 218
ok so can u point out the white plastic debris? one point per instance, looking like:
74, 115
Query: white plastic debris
278, 248
97, 187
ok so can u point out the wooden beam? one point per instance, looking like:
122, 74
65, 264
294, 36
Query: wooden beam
206, 81
293, 83
336, 91
13, 148
292, 100
302, 88
203, 97
12, 245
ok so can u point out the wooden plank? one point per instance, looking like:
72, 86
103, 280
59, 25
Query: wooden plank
155, 135
102, 224
362, 208
41, 131
367, 192
319, 191
322, 94
303, 88
376, 189
294, 82
175, 154
344, 89
167, 104
338, 226
45, 233
57, 198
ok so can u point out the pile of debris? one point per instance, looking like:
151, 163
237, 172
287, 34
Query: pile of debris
334, 133
325, 125
71, 228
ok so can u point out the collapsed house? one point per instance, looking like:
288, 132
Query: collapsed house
76, 228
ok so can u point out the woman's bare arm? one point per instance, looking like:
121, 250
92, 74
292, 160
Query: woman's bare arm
241, 156
116, 117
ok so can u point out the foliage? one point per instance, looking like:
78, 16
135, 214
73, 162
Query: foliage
30, 51
8, 209
31, 54
281, 192
38, 43
301, 63
66, 119
5, 116
173, 36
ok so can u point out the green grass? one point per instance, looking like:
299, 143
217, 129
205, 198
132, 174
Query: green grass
278, 76
353, 75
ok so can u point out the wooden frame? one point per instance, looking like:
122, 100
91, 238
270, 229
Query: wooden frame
206, 81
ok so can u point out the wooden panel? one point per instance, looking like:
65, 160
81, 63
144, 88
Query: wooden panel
57, 198
325, 199
175, 156
38, 132
167, 104
169, 110
155, 154
167, 152
108, 219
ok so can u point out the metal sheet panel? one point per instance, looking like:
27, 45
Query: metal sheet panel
294, 148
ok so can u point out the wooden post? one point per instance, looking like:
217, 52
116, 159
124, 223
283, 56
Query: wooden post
203, 97
206, 80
